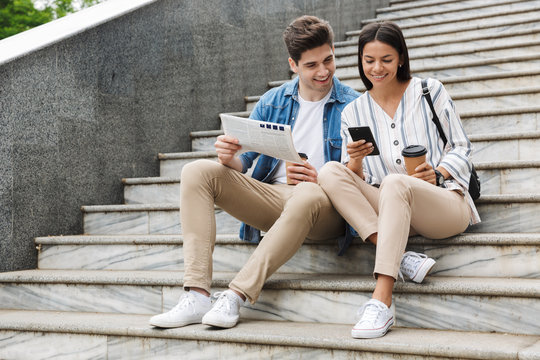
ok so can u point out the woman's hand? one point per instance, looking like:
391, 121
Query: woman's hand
357, 151
302, 173
425, 172
226, 149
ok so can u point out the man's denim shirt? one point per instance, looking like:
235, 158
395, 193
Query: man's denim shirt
280, 105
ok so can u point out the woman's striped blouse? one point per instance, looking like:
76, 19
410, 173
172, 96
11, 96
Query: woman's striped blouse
413, 125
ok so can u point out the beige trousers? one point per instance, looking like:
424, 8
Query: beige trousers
401, 207
289, 214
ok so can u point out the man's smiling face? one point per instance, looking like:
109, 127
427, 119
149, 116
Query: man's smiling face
315, 70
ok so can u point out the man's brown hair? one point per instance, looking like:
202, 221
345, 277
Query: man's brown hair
306, 33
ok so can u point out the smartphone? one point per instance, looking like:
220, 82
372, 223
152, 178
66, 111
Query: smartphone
364, 133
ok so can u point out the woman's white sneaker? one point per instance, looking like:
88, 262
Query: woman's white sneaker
415, 266
375, 320
190, 310
226, 310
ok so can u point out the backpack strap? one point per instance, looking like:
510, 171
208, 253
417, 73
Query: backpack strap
427, 96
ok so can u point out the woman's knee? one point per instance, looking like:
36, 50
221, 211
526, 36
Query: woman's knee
308, 196
329, 172
396, 184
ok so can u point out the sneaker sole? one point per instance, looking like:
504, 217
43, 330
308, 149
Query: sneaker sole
220, 324
424, 269
372, 334
168, 325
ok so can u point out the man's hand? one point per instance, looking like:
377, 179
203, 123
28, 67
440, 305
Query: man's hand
425, 172
302, 173
226, 149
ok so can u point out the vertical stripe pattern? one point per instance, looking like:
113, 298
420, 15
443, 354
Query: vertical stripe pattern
413, 125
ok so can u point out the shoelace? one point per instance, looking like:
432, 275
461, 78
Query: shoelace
223, 302
409, 261
369, 312
187, 300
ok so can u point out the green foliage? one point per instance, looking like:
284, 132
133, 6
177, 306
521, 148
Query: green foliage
20, 15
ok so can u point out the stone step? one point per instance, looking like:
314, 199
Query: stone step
144, 219
445, 303
477, 82
469, 22
506, 80
430, 52
500, 146
464, 68
505, 147
418, 5
459, 12
508, 177
501, 177
501, 23
200, 139
474, 100
484, 255
171, 164
511, 213
204, 140
39, 334
443, 6
524, 118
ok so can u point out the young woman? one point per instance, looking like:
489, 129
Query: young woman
374, 194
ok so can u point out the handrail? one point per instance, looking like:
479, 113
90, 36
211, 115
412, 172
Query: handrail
32, 40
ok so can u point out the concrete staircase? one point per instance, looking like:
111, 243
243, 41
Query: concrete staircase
92, 295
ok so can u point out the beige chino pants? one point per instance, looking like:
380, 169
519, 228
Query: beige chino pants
289, 214
401, 207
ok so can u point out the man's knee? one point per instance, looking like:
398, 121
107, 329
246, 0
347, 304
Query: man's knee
198, 170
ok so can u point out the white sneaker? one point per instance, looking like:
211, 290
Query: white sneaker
375, 320
189, 310
226, 310
415, 266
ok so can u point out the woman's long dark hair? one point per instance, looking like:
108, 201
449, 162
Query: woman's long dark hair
388, 33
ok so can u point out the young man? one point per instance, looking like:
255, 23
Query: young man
312, 105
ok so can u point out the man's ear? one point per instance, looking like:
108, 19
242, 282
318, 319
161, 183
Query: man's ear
293, 65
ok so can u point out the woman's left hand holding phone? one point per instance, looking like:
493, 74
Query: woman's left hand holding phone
357, 151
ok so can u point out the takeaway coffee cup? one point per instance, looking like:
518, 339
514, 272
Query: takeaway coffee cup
288, 163
413, 155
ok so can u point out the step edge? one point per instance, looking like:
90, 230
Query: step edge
417, 33
456, 19
470, 286
467, 50
485, 165
327, 336
491, 239
471, 63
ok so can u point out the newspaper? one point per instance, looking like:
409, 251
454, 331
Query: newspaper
263, 137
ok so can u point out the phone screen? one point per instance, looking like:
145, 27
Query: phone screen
364, 133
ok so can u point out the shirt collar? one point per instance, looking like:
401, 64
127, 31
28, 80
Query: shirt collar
291, 89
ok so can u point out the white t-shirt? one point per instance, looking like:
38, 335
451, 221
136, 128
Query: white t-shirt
307, 135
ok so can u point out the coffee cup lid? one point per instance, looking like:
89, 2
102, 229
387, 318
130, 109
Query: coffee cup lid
414, 151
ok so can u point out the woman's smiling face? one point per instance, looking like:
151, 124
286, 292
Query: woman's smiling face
380, 63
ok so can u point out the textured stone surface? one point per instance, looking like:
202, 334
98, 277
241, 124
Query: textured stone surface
99, 105
130, 336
